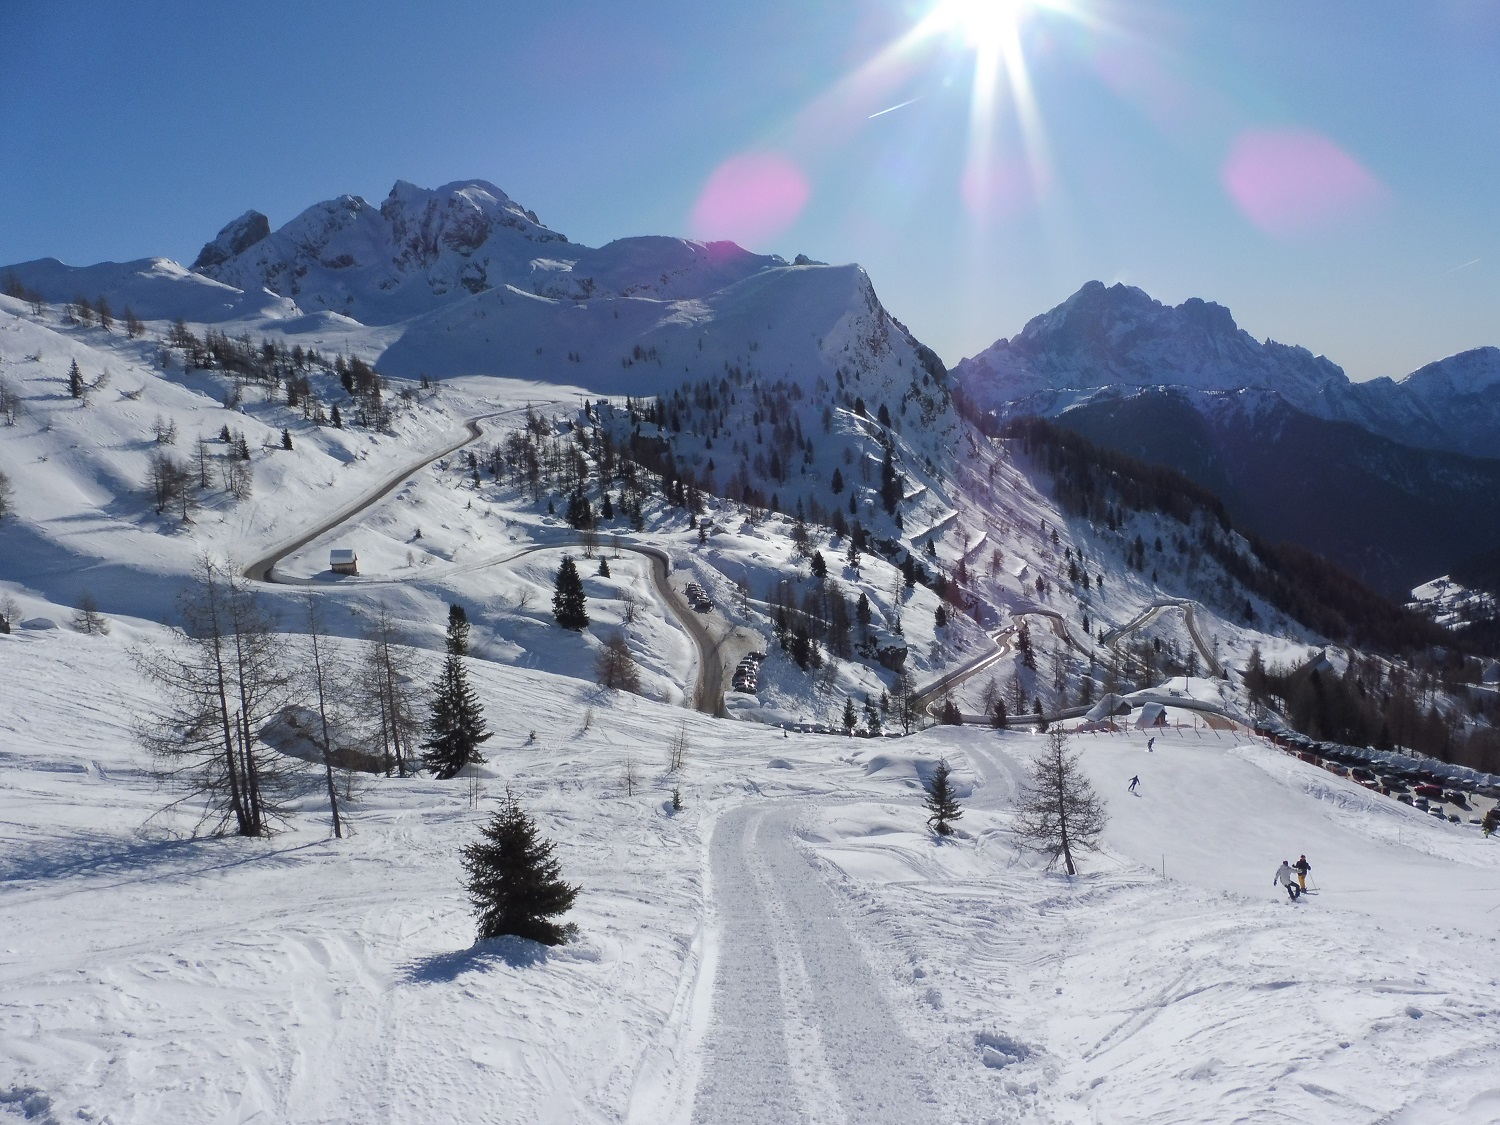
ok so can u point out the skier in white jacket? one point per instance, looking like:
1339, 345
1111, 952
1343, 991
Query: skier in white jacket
1287, 878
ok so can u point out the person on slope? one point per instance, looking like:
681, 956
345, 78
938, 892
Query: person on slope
1151, 745
1134, 781
1302, 867
1491, 821
1284, 877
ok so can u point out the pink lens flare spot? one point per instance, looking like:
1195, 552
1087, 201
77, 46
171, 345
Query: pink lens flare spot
750, 198
1293, 182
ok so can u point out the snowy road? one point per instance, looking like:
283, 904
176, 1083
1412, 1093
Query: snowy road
799, 1031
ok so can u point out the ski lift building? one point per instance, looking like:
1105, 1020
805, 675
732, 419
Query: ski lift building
342, 560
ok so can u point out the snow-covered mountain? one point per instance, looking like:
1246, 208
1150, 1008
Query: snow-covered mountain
1111, 342
463, 280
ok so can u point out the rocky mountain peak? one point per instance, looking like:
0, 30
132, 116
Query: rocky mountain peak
235, 238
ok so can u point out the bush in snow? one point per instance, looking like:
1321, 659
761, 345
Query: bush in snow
514, 884
941, 803
614, 667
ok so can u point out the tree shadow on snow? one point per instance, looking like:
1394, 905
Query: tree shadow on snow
141, 861
481, 957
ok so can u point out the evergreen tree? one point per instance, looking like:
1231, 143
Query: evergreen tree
940, 616
850, 716
837, 482
604, 568
569, 605
950, 714
457, 641
998, 716
455, 728
514, 884
75, 381
819, 565
286, 439
892, 488
941, 802
337, 419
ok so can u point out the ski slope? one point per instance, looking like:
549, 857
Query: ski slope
794, 922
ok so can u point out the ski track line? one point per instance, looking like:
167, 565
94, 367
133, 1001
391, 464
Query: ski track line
799, 1030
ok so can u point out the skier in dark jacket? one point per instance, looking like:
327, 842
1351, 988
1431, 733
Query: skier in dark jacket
1302, 867
1134, 781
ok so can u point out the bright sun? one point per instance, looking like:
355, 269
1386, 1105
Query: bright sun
986, 25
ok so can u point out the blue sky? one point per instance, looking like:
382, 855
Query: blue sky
1330, 171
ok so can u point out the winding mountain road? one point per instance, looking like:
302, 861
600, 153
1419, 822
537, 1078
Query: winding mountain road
945, 683
708, 694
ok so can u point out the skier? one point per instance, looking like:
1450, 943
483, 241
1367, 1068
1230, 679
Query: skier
1284, 877
1151, 745
1134, 781
1302, 867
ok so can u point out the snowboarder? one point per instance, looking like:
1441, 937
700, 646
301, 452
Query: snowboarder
1302, 867
1284, 877
1151, 745
1491, 821
1134, 781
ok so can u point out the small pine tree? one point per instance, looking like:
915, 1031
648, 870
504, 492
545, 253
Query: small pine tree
941, 802
286, 439
569, 605
819, 565
940, 616
514, 884
836, 483
455, 727
850, 716
950, 715
603, 567
337, 419
457, 640
75, 381
998, 716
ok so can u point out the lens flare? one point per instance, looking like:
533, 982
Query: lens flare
1291, 182
751, 198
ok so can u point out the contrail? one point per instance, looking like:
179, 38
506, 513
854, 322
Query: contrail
1455, 269
894, 108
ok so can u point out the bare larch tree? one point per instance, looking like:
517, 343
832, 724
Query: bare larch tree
1058, 809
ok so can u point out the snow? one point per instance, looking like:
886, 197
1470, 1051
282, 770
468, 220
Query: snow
792, 944
792, 939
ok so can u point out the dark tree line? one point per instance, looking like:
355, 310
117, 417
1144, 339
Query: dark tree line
1102, 485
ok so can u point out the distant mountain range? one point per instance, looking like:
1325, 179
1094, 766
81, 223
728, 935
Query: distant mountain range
463, 280
1397, 481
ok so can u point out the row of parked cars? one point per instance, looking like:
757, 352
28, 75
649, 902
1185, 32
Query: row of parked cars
1411, 785
698, 598
747, 673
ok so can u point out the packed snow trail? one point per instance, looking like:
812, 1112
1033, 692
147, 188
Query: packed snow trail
799, 1030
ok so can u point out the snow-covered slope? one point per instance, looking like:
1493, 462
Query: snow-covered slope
860, 966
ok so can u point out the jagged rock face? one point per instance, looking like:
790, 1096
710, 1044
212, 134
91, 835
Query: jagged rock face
422, 250
235, 238
1111, 343
1118, 336
419, 248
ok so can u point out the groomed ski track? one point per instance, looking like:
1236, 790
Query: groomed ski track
799, 1030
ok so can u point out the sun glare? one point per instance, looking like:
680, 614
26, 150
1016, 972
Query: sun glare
986, 25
